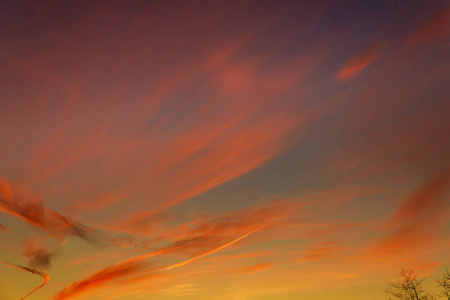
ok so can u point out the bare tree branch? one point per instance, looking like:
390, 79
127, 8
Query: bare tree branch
444, 282
409, 287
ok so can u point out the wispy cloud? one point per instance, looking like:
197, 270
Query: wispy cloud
101, 278
100, 202
434, 30
209, 236
212, 251
127, 268
153, 122
252, 269
35, 213
320, 250
3, 228
45, 276
419, 219
356, 65
39, 256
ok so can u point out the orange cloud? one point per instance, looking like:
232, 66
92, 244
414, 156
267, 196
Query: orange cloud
201, 238
162, 103
241, 115
252, 269
97, 203
45, 276
434, 30
419, 220
130, 267
355, 65
39, 256
320, 250
35, 213
203, 233
3, 228
100, 279
212, 251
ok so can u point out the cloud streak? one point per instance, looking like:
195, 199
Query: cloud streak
101, 278
130, 267
213, 251
45, 276
419, 220
3, 228
434, 30
320, 251
35, 213
356, 65
172, 127
211, 232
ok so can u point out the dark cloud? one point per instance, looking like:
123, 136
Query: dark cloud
39, 256
35, 213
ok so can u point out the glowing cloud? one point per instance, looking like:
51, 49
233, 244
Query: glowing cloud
138, 137
127, 268
35, 213
436, 29
419, 219
213, 251
100, 278
356, 65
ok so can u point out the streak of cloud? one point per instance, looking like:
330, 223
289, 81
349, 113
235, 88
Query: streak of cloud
45, 276
101, 278
320, 251
419, 220
213, 251
170, 127
35, 213
356, 65
97, 203
252, 269
434, 30
130, 267
3, 228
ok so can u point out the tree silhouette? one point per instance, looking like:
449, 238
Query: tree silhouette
444, 282
409, 287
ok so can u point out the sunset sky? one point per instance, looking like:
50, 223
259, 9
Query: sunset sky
229, 150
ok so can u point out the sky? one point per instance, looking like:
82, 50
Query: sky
243, 150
